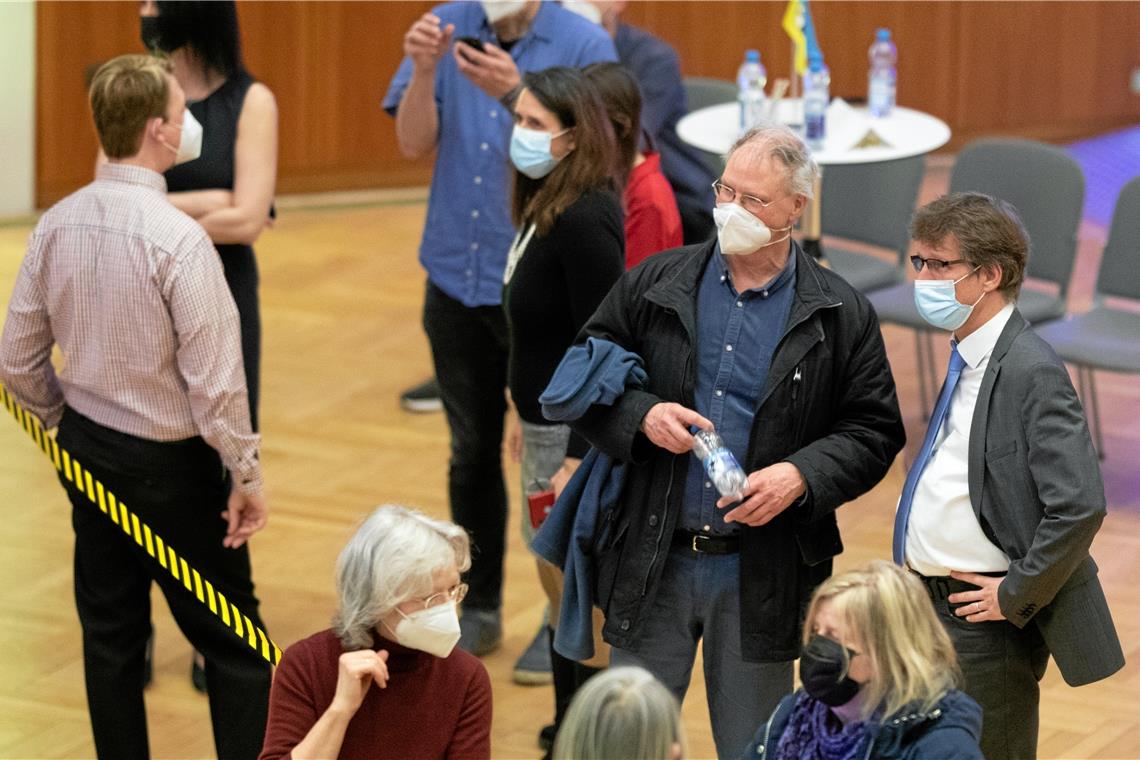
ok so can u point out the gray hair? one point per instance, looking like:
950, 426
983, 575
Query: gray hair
782, 144
624, 712
390, 559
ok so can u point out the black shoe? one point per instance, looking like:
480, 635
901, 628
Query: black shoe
422, 398
546, 738
198, 672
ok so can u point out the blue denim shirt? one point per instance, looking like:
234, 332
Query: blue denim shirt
468, 228
737, 334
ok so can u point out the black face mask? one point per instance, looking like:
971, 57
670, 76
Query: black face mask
149, 32
823, 670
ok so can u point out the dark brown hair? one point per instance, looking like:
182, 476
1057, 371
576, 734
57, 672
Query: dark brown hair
125, 93
622, 98
567, 94
988, 230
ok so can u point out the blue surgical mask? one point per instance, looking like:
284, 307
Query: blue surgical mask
938, 304
530, 151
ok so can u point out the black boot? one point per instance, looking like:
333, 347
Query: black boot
569, 676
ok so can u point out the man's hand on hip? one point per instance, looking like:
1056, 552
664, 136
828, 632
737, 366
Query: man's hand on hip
981, 604
245, 514
767, 493
667, 425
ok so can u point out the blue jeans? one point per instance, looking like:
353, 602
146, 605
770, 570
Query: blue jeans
698, 598
469, 348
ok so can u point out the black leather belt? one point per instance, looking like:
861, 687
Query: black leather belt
942, 586
704, 544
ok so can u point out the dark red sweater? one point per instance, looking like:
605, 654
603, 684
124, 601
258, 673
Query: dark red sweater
652, 222
432, 708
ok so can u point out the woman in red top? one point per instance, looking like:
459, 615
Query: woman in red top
652, 222
386, 681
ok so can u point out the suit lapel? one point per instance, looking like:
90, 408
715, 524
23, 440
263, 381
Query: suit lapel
976, 466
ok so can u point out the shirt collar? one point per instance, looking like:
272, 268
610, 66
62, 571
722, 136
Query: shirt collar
979, 344
132, 174
542, 26
777, 282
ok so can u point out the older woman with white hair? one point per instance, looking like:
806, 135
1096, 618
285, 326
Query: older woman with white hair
622, 713
386, 681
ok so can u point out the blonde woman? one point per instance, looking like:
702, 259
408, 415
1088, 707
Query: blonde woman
622, 713
879, 677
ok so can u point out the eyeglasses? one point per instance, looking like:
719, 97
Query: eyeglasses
937, 266
454, 594
751, 204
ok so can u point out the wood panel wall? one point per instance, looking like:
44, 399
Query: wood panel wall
1049, 70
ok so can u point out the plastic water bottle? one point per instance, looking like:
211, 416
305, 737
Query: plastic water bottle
882, 75
751, 79
720, 465
817, 87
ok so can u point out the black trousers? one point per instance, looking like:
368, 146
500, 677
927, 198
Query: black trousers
469, 347
1002, 665
179, 489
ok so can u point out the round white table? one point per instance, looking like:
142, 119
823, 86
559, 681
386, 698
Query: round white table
907, 132
903, 134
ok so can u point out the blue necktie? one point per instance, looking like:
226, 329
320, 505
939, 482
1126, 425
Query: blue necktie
940, 410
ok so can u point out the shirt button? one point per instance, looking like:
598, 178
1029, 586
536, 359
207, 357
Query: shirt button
723, 278
764, 293
474, 246
706, 529
719, 392
478, 180
625, 625
739, 304
484, 146
708, 484
728, 347
653, 521
475, 214
494, 114
469, 273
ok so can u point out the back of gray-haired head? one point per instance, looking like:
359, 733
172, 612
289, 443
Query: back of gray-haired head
623, 712
787, 149
390, 559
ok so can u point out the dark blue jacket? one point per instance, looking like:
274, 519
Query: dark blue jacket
583, 517
948, 731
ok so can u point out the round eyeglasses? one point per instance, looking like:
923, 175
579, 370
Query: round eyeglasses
750, 203
454, 594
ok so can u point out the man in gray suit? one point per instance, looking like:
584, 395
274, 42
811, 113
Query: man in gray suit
1002, 503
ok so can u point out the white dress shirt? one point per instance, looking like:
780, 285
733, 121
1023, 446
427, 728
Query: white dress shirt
943, 533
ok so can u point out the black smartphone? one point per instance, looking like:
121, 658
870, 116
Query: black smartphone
474, 42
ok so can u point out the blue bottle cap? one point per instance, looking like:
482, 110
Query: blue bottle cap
883, 34
752, 56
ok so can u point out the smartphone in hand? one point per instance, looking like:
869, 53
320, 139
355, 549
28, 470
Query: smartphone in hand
474, 42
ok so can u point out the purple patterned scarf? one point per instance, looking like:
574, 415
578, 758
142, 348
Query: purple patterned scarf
814, 733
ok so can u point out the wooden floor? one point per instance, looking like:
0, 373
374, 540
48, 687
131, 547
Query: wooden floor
341, 297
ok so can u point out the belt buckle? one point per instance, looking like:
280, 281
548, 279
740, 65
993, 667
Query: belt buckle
697, 536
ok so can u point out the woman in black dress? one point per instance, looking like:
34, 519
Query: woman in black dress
229, 188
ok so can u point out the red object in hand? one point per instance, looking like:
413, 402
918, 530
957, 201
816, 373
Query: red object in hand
540, 503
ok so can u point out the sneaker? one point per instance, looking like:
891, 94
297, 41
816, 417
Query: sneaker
480, 631
422, 398
532, 668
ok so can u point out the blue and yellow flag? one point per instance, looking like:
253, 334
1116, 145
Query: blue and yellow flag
797, 23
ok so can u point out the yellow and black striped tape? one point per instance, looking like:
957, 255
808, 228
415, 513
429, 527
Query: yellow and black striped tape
135, 528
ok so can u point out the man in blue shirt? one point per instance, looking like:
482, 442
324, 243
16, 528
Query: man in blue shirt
747, 334
655, 66
447, 96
